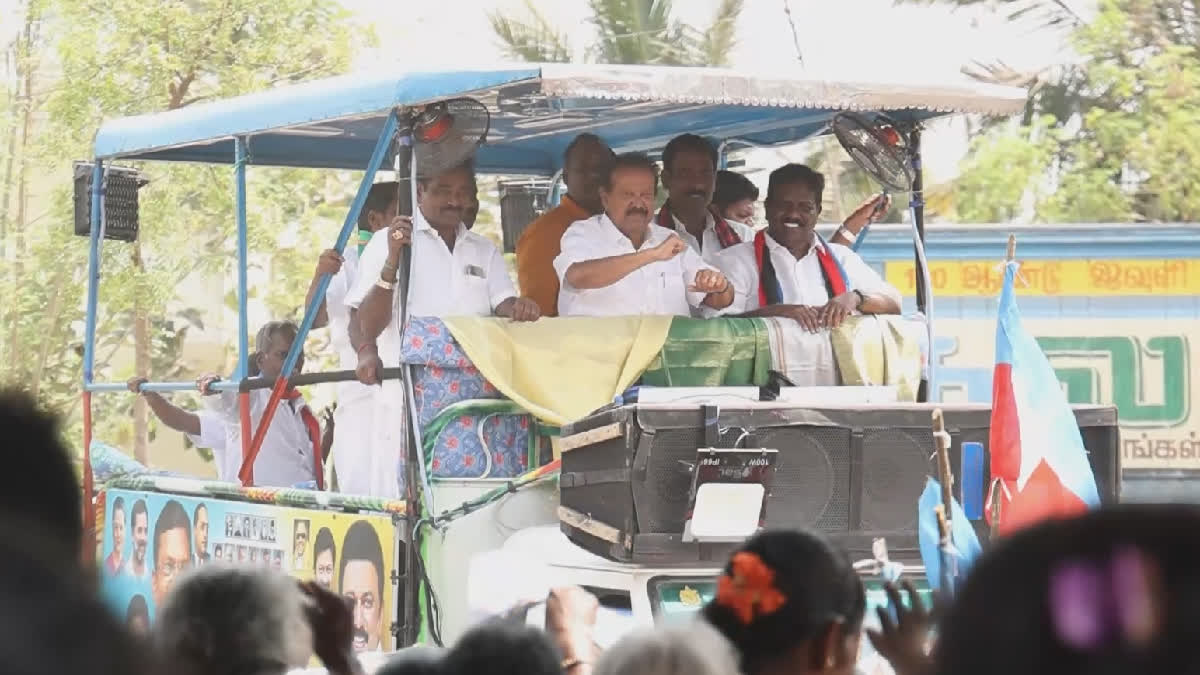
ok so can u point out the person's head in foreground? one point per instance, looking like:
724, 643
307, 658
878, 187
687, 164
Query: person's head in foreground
790, 603
415, 660
503, 648
44, 491
50, 621
222, 620
1113, 591
693, 648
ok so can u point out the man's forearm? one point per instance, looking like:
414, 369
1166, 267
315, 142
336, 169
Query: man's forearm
879, 304
355, 330
603, 272
171, 415
322, 318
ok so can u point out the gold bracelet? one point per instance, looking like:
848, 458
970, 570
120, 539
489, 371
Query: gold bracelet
386, 285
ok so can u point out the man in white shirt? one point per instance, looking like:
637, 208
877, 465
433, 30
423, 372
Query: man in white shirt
454, 272
789, 271
690, 177
619, 263
291, 449
358, 471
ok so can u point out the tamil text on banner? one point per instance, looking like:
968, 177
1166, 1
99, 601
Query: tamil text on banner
1148, 368
1077, 277
151, 538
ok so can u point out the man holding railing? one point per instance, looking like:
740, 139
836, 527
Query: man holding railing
454, 272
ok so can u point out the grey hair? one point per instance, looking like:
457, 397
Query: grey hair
223, 620
694, 648
262, 339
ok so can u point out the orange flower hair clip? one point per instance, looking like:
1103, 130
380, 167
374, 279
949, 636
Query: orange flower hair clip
748, 589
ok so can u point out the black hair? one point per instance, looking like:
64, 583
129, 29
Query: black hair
138, 507
818, 584
631, 160
796, 173
119, 505
323, 542
467, 165
685, 143
137, 607
46, 600
196, 511
1001, 619
503, 648
362, 543
379, 198
172, 517
580, 140
46, 491
733, 187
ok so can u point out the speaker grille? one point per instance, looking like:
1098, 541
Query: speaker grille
661, 500
812, 479
895, 464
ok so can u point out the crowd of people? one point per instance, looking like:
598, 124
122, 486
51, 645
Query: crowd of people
604, 250
1110, 591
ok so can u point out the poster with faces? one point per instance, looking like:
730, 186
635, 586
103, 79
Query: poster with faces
151, 539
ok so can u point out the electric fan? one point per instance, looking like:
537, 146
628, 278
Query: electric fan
877, 145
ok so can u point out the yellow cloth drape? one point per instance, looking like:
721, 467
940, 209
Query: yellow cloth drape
880, 350
561, 369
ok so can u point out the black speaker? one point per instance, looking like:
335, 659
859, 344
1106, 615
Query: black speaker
121, 185
521, 202
852, 473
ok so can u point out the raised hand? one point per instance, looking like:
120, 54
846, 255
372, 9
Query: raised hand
669, 248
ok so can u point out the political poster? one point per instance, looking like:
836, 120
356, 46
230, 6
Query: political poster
150, 539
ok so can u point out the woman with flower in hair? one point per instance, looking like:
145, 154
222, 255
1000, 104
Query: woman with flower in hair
790, 603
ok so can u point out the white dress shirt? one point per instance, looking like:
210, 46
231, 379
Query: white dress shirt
801, 281
805, 358
712, 244
286, 456
659, 288
470, 281
212, 432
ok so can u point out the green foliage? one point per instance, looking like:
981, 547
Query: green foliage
627, 32
1120, 136
122, 57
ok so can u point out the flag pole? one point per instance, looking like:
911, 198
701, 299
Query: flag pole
996, 491
1011, 254
941, 441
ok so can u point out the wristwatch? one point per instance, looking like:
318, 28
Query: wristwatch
861, 299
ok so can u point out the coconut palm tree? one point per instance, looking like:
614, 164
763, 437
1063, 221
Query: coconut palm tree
627, 32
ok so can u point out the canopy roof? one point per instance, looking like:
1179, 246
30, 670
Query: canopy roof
536, 111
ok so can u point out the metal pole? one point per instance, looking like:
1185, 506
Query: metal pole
917, 204
246, 474
240, 158
89, 355
414, 455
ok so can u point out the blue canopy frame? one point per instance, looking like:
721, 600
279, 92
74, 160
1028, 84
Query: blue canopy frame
349, 122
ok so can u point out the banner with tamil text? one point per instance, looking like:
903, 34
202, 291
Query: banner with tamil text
1079, 277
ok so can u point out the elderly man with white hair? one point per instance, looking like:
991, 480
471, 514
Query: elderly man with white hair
221, 620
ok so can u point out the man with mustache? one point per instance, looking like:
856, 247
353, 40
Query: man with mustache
360, 581
788, 270
690, 176
619, 263
454, 272
585, 166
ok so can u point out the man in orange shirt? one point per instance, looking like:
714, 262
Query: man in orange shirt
585, 167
